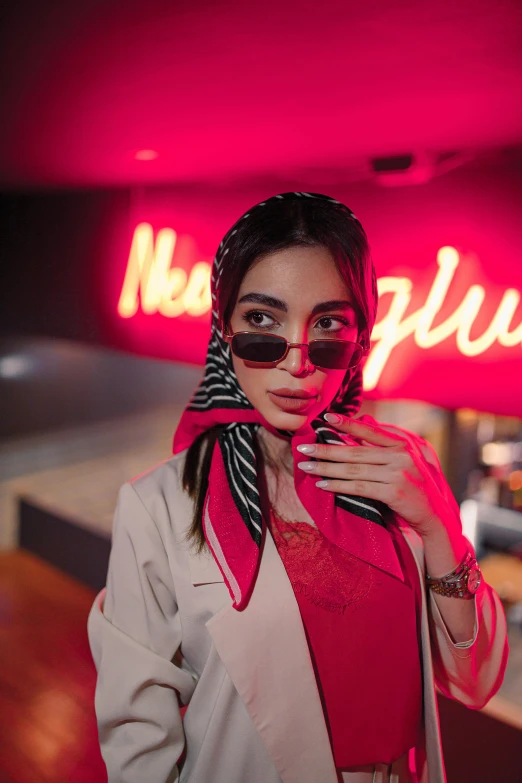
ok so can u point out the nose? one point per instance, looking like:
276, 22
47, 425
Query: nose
297, 361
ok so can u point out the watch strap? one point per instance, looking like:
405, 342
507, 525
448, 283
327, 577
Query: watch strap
455, 584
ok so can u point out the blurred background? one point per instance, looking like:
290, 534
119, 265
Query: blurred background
133, 135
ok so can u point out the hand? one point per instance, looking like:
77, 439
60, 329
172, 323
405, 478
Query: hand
392, 469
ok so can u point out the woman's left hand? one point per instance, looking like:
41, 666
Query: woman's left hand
395, 472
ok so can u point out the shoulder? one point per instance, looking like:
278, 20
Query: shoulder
165, 475
157, 496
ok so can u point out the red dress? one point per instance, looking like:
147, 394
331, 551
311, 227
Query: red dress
363, 632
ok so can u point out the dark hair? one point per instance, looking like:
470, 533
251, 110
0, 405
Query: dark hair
276, 226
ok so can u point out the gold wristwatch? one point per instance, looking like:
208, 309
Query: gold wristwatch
462, 582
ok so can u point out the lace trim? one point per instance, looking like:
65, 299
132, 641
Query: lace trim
287, 521
335, 581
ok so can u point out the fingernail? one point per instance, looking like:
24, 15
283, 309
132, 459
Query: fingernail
333, 418
306, 448
306, 465
321, 484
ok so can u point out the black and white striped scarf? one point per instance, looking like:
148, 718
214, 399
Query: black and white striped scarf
232, 520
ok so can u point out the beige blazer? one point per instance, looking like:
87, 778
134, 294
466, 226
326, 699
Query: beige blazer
254, 714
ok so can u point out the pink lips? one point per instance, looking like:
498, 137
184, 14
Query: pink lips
285, 391
292, 400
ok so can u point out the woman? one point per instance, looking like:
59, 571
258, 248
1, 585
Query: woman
271, 575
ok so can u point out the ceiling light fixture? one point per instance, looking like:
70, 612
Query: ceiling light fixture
146, 155
415, 168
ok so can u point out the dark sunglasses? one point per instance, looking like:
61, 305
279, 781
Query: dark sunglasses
270, 349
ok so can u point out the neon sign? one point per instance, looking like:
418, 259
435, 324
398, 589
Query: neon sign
162, 288
152, 282
394, 327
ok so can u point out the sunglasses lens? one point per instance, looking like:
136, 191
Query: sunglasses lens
266, 348
258, 347
335, 354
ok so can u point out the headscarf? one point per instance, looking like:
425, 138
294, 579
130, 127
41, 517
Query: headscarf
233, 523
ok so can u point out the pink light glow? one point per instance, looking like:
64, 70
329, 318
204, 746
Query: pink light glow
146, 155
159, 74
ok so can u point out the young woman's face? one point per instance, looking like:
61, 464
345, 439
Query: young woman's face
299, 294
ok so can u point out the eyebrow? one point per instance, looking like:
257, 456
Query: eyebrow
279, 304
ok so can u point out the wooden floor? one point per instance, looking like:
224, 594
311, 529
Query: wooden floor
47, 677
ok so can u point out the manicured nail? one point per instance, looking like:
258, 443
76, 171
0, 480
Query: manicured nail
307, 448
321, 484
306, 465
333, 418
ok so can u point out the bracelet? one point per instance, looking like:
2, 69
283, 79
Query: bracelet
456, 571
452, 591
457, 583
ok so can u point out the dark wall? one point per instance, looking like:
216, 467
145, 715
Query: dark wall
52, 249
57, 365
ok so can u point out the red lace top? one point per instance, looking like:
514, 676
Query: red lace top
363, 631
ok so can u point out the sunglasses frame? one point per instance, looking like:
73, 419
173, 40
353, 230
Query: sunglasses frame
228, 336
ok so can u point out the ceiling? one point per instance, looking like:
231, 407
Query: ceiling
229, 90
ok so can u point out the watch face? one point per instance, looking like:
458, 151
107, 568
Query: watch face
474, 579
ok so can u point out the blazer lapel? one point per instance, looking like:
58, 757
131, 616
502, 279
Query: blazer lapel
265, 652
203, 568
